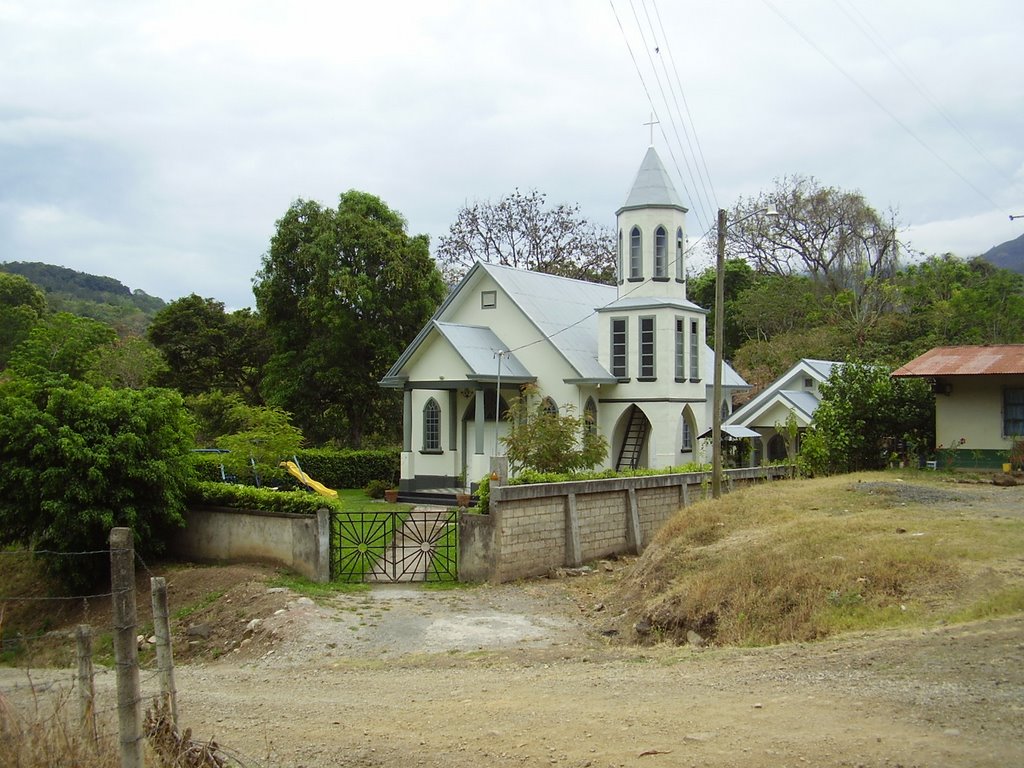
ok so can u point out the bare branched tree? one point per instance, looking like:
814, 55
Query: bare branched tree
521, 230
830, 235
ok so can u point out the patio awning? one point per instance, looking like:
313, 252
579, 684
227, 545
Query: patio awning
734, 431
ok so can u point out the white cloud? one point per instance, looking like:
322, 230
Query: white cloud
171, 135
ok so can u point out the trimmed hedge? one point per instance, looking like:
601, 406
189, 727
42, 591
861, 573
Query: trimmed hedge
335, 469
247, 497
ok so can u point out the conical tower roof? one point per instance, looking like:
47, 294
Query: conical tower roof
652, 187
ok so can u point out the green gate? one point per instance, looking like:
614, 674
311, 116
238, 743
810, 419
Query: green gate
390, 546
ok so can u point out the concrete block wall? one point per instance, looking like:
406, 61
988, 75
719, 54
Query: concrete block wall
532, 529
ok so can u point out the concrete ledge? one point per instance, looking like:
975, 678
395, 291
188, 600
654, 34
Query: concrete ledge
218, 534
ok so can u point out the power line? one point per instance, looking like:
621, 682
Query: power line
910, 132
875, 37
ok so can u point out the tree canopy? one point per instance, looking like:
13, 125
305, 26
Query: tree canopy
342, 292
21, 307
521, 230
76, 460
865, 416
209, 349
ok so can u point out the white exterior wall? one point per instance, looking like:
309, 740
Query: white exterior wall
648, 220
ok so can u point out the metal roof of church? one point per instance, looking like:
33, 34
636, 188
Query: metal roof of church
966, 361
478, 347
563, 311
652, 186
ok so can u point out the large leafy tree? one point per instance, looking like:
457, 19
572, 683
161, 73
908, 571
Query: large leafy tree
76, 461
207, 348
342, 292
60, 344
522, 230
864, 416
21, 307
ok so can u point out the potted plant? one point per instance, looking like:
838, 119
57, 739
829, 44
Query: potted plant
1016, 455
391, 495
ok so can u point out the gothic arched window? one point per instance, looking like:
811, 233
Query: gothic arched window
636, 267
660, 252
679, 254
431, 426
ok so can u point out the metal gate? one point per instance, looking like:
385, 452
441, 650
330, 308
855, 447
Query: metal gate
395, 546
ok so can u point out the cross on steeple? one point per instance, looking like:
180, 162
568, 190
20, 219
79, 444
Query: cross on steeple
652, 123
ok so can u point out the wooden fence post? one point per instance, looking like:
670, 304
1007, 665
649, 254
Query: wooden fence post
164, 653
126, 650
86, 686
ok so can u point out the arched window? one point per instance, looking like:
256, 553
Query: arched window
550, 407
725, 409
431, 426
680, 275
618, 261
590, 416
689, 431
660, 252
636, 268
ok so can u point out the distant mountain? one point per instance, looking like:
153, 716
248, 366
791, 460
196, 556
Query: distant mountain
1008, 255
101, 298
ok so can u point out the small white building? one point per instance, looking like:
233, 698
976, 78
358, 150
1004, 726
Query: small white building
631, 356
795, 392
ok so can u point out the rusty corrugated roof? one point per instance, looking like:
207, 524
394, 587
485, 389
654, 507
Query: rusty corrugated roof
966, 361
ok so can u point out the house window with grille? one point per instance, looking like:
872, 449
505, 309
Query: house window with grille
432, 426
550, 407
660, 253
620, 367
694, 356
646, 348
1013, 412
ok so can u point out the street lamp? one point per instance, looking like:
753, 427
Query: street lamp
716, 414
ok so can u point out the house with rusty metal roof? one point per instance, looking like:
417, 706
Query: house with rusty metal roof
979, 402
630, 357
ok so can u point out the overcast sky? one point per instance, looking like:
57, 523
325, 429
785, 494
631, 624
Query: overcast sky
158, 142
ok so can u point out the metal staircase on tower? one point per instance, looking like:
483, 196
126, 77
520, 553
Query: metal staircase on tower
633, 444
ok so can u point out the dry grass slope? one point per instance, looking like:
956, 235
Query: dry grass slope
802, 560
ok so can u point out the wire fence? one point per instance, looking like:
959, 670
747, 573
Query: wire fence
52, 711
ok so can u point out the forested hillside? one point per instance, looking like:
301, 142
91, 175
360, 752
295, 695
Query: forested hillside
80, 293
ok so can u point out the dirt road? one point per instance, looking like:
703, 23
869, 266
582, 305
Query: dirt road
521, 675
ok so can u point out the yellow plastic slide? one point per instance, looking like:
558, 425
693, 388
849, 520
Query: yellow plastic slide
306, 480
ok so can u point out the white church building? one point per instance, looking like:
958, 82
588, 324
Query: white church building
631, 357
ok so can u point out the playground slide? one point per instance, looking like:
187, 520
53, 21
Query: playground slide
307, 481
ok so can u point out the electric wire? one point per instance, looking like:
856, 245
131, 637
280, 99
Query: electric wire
871, 97
703, 177
876, 38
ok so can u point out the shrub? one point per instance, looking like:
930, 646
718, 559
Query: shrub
375, 489
76, 461
247, 497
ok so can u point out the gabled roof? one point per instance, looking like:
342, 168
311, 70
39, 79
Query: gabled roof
803, 402
562, 309
652, 187
479, 347
564, 312
998, 359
